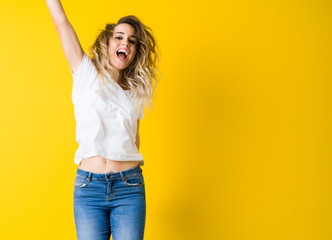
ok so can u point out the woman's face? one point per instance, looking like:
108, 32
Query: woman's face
122, 46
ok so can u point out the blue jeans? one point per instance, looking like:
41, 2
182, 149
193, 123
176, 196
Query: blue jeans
110, 204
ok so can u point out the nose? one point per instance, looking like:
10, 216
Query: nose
125, 43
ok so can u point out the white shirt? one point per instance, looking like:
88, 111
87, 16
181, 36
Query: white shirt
106, 122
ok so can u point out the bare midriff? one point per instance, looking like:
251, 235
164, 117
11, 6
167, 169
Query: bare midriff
99, 164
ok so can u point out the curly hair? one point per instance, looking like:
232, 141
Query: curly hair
141, 73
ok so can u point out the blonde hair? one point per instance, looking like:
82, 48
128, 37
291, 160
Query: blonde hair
141, 73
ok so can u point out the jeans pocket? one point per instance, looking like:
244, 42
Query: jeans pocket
80, 181
135, 179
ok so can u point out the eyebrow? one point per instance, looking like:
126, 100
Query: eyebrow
131, 35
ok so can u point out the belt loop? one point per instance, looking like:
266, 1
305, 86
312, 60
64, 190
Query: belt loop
124, 179
89, 177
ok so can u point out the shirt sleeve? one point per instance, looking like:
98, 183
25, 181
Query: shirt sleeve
83, 78
82, 68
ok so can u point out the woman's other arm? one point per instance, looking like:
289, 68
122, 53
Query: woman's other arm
137, 139
70, 44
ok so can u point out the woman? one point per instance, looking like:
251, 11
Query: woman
109, 91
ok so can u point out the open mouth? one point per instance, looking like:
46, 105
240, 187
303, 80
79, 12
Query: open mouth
122, 54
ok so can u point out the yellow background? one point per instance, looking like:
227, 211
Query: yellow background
238, 145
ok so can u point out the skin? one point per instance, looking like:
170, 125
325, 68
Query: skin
127, 40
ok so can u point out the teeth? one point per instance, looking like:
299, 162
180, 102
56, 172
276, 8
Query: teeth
123, 51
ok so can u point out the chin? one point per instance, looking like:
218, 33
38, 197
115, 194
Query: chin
121, 67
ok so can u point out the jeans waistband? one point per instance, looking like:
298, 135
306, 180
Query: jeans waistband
102, 176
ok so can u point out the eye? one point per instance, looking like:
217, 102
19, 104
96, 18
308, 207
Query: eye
118, 38
133, 42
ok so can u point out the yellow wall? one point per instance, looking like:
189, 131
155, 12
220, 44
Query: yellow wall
238, 145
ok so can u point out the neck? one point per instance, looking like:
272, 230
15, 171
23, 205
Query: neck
120, 76
117, 76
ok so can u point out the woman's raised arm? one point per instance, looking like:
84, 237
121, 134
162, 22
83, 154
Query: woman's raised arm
70, 44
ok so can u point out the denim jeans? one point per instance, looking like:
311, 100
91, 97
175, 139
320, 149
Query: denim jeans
110, 204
